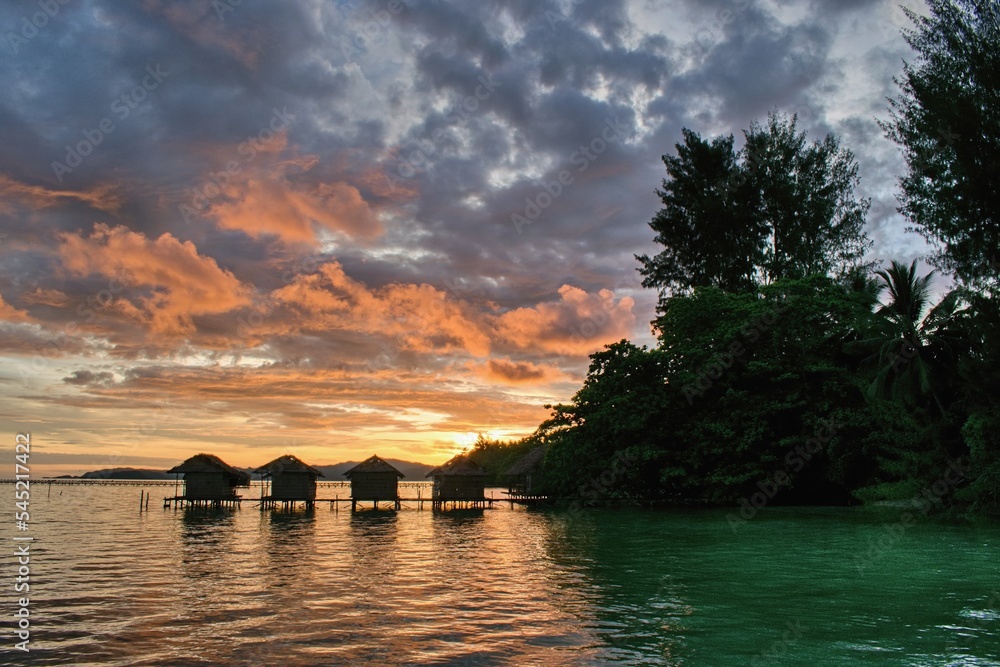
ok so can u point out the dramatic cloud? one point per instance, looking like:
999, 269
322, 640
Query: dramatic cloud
355, 225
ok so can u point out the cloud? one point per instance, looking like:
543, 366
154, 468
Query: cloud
47, 297
273, 206
263, 187
89, 378
419, 316
9, 313
578, 323
37, 345
102, 197
201, 23
181, 283
350, 266
511, 372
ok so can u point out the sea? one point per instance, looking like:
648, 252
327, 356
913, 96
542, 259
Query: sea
118, 584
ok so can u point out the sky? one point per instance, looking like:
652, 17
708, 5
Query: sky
337, 228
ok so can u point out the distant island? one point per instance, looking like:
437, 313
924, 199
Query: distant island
122, 473
414, 472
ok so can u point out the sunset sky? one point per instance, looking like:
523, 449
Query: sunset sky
335, 228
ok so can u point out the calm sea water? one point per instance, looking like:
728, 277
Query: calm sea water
111, 586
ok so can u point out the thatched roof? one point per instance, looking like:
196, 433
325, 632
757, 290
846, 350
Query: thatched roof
459, 465
372, 464
288, 464
528, 462
212, 463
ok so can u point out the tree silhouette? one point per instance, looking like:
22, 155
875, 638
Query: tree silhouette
915, 346
780, 208
946, 122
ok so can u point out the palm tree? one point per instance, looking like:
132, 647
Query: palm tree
915, 346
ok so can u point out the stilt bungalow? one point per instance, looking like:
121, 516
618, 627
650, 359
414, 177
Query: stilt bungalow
461, 482
374, 480
291, 481
524, 477
208, 481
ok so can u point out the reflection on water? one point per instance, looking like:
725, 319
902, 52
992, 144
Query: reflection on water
499, 587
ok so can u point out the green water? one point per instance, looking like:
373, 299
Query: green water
793, 586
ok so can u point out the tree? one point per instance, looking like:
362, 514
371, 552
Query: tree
495, 455
947, 123
706, 229
608, 439
804, 195
916, 347
761, 378
778, 208
981, 431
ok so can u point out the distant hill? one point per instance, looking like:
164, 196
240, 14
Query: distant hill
126, 473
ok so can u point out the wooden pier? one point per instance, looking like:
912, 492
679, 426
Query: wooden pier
217, 503
358, 505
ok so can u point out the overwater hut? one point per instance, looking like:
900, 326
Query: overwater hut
524, 477
291, 480
374, 480
460, 481
208, 480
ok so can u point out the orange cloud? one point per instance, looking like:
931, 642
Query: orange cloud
264, 192
183, 283
421, 317
102, 197
264, 206
9, 313
579, 323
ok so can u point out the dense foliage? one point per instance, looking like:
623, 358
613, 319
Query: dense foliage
778, 208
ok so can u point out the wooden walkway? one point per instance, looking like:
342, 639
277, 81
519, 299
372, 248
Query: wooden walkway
384, 504
267, 502
214, 503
